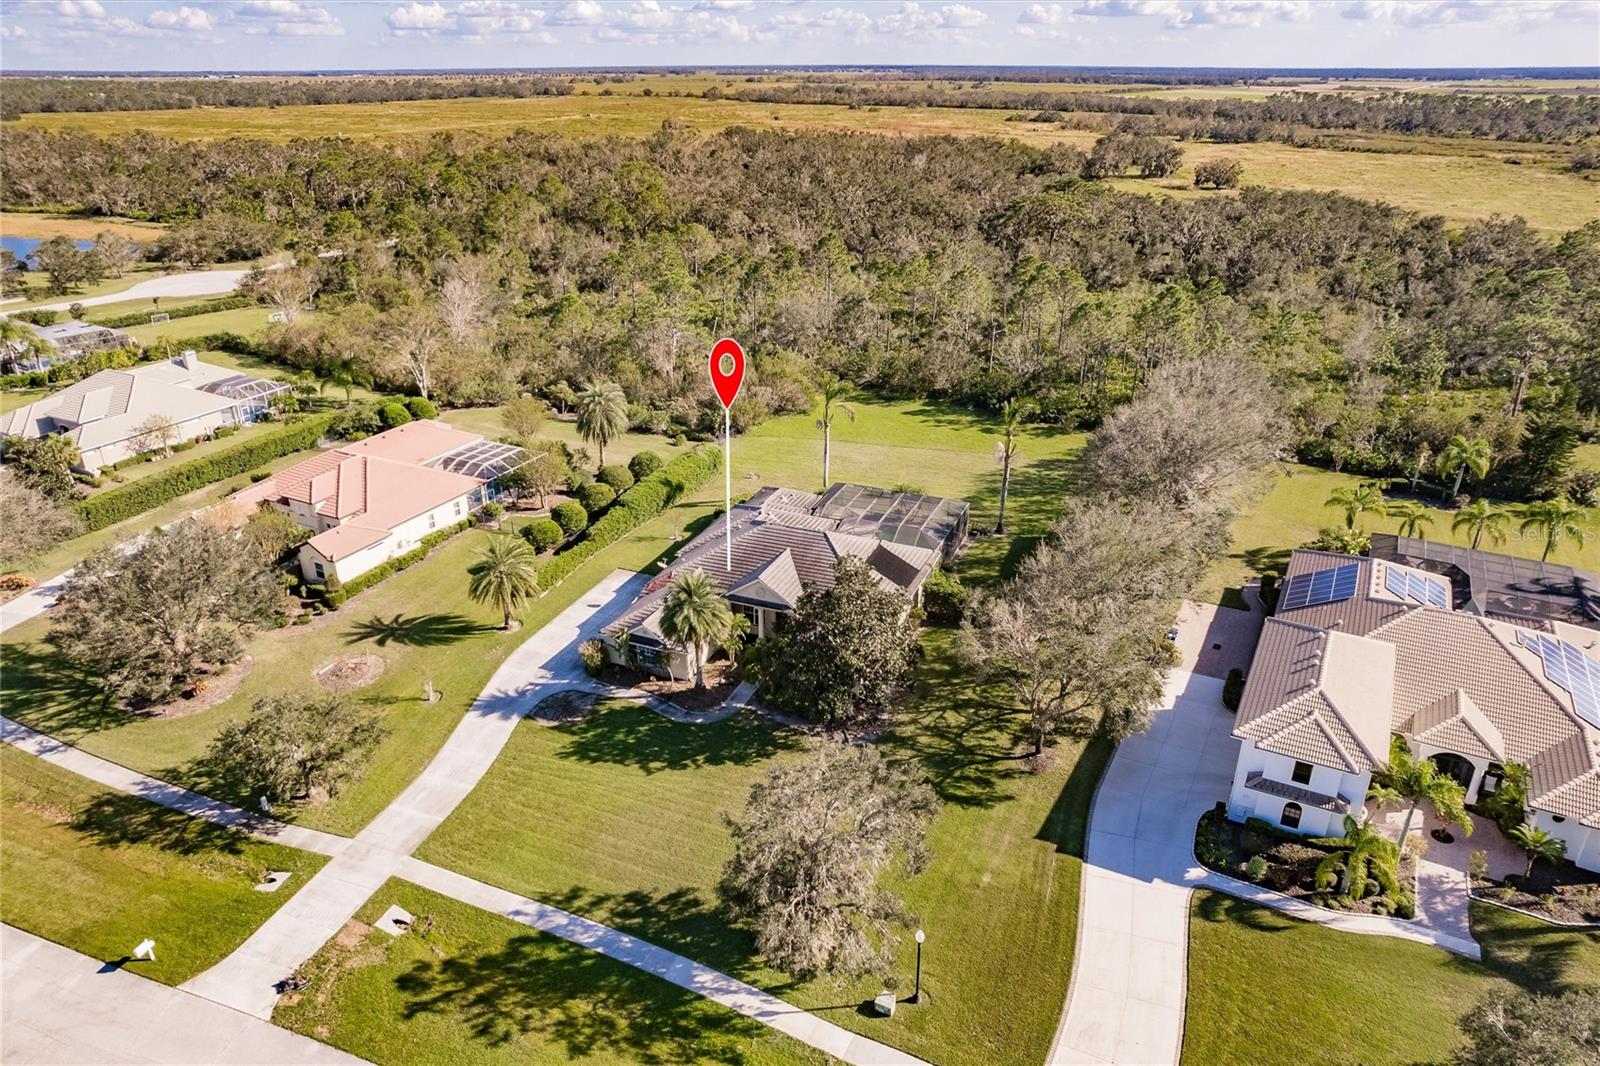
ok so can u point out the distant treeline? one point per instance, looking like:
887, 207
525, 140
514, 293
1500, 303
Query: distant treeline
1513, 118
23, 96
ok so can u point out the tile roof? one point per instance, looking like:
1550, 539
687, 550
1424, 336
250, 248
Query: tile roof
1371, 606
419, 442
1565, 779
1454, 722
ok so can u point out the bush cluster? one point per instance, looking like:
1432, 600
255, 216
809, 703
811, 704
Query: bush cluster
570, 516
944, 598
593, 654
643, 465
124, 502
638, 505
617, 476
596, 496
1233, 689
543, 534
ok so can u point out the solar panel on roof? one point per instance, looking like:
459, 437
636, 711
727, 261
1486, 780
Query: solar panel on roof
1567, 666
1415, 587
1325, 586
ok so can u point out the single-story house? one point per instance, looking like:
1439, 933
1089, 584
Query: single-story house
105, 414
62, 342
370, 500
1363, 648
786, 542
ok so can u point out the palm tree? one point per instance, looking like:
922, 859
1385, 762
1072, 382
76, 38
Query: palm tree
1462, 455
1559, 519
695, 617
1364, 853
1538, 844
1356, 501
1407, 778
602, 414
1480, 517
834, 390
732, 642
1012, 416
506, 575
346, 374
1413, 517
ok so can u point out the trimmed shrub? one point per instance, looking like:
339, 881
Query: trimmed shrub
117, 504
593, 654
543, 534
1233, 689
596, 497
224, 432
393, 413
636, 506
577, 479
38, 318
1256, 868
421, 407
570, 516
644, 464
943, 597
491, 512
616, 475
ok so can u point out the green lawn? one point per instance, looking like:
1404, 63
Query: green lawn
478, 988
629, 831
1265, 988
245, 321
99, 871
1294, 508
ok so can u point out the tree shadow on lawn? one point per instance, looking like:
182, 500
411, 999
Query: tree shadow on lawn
1223, 909
416, 631
1265, 559
592, 1005
113, 820
1537, 958
627, 735
42, 689
1039, 488
1067, 824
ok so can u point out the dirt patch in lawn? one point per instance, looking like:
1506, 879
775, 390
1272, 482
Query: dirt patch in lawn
208, 692
569, 706
350, 671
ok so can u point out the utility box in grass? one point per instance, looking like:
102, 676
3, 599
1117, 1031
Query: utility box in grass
885, 1004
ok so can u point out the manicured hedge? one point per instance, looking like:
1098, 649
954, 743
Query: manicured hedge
118, 504
596, 496
205, 307
633, 508
570, 516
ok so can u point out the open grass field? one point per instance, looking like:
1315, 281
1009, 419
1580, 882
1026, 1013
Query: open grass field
1294, 508
1459, 185
44, 225
100, 871
1267, 989
476, 988
245, 321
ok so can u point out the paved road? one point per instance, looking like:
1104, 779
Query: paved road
63, 1007
192, 283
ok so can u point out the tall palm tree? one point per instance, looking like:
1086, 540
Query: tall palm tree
602, 414
1462, 455
834, 390
1405, 778
1480, 517
1538, 844
506, 575
1013, 415
1356, 501
1365, 854
1559, 519
695, 617
1413, 517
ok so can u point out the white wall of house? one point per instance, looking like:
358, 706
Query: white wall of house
116, 451
403, 538
1250, 803
1583, 843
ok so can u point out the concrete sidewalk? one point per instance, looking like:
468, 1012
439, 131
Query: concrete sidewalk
33, 603
63, 1007
547, 661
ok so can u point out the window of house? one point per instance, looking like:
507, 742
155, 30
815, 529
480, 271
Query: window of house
1291, 816
458, 507
433, 520
318, 567
1558, 818
1301, 774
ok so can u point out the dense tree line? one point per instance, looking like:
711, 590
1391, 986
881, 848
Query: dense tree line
1280, 116
29, 95
476, 268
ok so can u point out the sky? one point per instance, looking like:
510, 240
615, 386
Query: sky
173, 35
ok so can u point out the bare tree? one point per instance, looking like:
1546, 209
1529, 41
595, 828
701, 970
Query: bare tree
415, 344
464, 299
116, 252
287, 290
156, 432
30, 521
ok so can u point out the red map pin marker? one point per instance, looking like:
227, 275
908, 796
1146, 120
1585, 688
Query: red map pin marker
727, 370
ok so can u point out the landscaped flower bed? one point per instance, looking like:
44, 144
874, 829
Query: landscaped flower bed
1263, 854
1560, 892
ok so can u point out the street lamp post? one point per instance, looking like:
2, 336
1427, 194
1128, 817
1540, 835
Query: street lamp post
916, 995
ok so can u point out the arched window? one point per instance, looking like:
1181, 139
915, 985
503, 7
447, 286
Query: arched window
1291, 816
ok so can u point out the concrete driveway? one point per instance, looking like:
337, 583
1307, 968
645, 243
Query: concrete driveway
1130, 973
1213, 640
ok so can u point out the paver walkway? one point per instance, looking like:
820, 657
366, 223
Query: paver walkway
63, 1007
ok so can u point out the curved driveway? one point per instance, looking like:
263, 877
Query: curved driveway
189, 283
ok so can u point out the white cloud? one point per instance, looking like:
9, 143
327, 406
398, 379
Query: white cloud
475, 20
1420, 14
12, 32
184, 20
284, 18
652, 22
910, 20
577, 13
1245, 13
